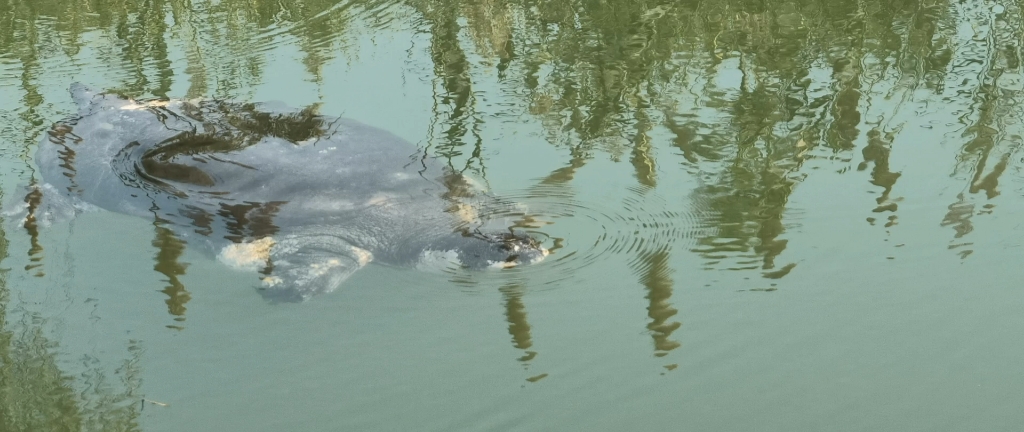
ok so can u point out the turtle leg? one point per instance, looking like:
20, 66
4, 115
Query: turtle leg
301, 267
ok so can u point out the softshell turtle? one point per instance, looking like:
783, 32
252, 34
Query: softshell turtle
305, 199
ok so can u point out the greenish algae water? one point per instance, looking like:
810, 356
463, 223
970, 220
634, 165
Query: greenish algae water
792, 216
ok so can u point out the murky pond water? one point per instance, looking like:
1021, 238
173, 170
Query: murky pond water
762, 216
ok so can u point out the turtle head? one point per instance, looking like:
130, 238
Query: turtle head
499, 250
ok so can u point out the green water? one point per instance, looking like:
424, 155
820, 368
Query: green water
772, 216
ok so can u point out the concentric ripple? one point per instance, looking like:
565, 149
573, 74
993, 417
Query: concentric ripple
582, 233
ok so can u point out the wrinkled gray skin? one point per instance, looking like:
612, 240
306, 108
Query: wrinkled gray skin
305, 199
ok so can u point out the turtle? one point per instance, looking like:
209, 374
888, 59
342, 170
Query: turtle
302, 198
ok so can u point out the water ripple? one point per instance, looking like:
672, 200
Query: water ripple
637, 226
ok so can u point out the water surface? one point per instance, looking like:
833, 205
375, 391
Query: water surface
766, 216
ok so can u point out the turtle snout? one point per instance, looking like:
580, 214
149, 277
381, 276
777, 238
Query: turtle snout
521, 249
502, 250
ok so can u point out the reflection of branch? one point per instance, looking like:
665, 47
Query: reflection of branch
518, 325
877, 152
565, 174
654, 275
643, 161
34, 199
169, 250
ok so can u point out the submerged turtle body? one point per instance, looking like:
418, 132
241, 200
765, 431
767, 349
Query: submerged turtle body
303, 198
